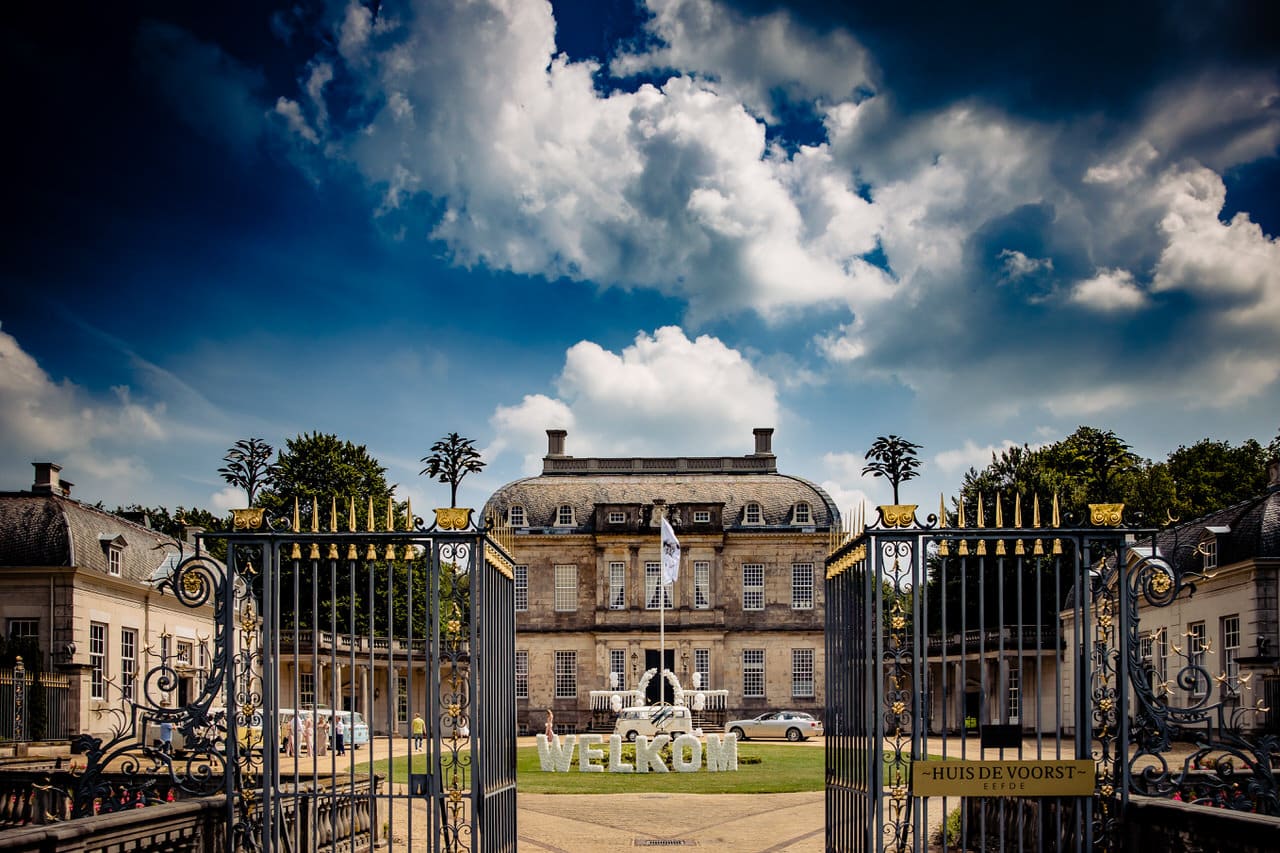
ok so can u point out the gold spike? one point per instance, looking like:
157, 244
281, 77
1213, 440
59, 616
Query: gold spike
982, 520
351, 515
1035, 515
315, 515
296, 521
942, 510
1038, 548
999, 511
408, 514
391, 513
1057, 522
370, 530
333, 515
1017, 509
960, 507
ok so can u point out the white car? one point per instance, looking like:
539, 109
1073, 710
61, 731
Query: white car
792, 725
652, 720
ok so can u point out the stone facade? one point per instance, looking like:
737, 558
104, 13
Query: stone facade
746, 609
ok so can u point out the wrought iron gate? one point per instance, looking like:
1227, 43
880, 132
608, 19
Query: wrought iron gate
975, 642
402, 640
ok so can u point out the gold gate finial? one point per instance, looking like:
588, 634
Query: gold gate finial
982, 522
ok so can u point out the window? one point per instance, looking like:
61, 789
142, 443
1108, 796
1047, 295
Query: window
751, 514
566, 675
702, 516
1146, 652
702, 665
652, 583
701, 584
617, 517
128, 662
617, 586
803, 514
1231, 651
566, 597
184, 653
97, 660
802, 586
564, 516
753, 586
522, 673
1015, 694
24, 629
1209, 549
1196, 654
522, 588
113, 560
618, 664
753, 672
1162, 659
402, 698
515, 516
306, 689
165, 647
802, 673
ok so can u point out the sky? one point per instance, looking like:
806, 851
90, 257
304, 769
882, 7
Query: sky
656, 224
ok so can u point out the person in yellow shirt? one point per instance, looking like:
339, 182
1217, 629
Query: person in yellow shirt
419, 729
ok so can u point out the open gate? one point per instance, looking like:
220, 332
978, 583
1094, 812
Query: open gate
402, 639
986, 642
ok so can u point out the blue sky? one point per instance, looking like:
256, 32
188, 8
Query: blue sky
655, 224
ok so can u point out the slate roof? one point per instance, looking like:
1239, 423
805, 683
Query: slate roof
777, 495
53, 530
1254, 534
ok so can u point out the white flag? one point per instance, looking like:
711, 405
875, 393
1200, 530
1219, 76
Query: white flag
670, 553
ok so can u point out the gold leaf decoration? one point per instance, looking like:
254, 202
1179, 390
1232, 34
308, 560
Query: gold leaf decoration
247, 519
1106, 515
898, 515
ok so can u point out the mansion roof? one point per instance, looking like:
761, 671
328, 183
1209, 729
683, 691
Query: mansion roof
1249, 530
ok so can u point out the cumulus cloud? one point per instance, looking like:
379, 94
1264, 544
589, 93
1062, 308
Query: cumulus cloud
970, 455
849, 487
664, 391
1109, 291
1017, 265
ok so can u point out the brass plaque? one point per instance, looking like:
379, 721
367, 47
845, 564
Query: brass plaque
1002, 778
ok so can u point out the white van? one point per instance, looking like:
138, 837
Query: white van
650, 720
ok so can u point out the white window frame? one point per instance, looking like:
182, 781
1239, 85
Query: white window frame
186, 651
1162, 656
753, 513
802, 514
753, 586
566, 587
1013, 693
23, 629
753, 673
652, 580
522, 673
1196, 636
702, 516
521, 588
115, 555
618, 664
1147, 654
617, 516
1229, 627
701, 584
564, 515
98, 660
402, 698
617, 585
566, 674
802, 669
702, 664
306, 689
128, 662
802, 586
516, 516
1209, 551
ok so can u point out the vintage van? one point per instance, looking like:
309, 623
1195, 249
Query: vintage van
651, 720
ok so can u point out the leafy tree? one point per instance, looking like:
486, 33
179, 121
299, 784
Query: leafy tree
451, 459
895, 460
248, 466
1094, 462
324, 467
1209, 475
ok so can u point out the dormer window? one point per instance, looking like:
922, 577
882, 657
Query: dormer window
564, 516
515, 516
617, 517
702, 516
1209, 545
114, 554
752, 514
803, 514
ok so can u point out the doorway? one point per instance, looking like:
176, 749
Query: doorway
654, 686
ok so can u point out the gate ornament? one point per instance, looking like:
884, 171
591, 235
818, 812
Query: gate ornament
1107, 515
453, 518
247, 519
898, 515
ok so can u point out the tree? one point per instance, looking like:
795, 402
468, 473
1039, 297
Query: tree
1209, 475
452, 458
248, 466
324, 467
895, 460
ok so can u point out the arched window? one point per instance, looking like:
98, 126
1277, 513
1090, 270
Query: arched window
752, 514
564, 516
515, 516
803, 514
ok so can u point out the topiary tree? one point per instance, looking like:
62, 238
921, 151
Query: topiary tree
249, 466
895, 460
452, 458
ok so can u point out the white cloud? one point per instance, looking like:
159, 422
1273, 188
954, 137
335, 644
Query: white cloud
849, 487
664, 393
1110, 292
970, 455
1017, 265
227, 499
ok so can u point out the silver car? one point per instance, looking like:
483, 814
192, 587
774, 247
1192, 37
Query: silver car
792, 725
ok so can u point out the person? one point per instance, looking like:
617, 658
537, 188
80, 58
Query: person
295, 736
322, 734
551, 727
419, 729
308, 736
340, 735
166, 736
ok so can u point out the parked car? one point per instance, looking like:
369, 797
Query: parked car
792, 725
651, 720
357, 729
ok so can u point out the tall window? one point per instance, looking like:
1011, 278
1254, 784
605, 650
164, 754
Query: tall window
522, 673
1231, 651
753, 672
113, 560
1196, 655
566, 675
1146, 652
24, 629
564, 516
522, 588
617, 586
1162, 658
802, 673
165, 648
204, 662
702, 664
753, 586
1015, 693
752, 514
306, 689
804, 515
653, 583
402, 698
128, 662
802, 586
1209, 548
566, 588
184, 653
701, 584
515, 516
618, 664
97, 660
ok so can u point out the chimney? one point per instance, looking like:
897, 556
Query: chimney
764, 441
47, 480
190, 532
555, 442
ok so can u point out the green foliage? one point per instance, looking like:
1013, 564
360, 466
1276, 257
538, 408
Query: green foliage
248, 466
949, 832
895, 460
1209, 475
327, 469
451, 459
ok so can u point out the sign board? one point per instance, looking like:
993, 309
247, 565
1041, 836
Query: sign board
1002, 778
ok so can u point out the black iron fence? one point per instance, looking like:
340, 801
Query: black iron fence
33, 705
